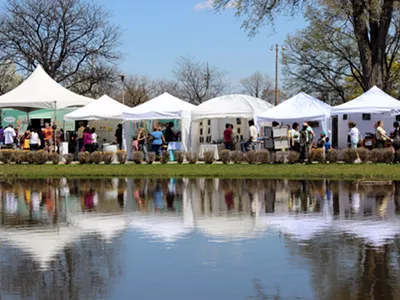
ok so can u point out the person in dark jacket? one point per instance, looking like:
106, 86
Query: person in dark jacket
118, 136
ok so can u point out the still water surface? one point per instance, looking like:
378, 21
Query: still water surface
199, 239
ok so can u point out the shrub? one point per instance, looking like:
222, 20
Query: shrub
108, 157
164, 159
180, 157
263, 156
208, 157
192, 157
224, 156
349, 155
82, 158
138, 157
68, 158
237, 157
6, 155
387, 155
279, 157
293, 157
96, 157
245, 157
151, 157
18, 157
252, 157
30, 157
362, 153
41, 157
318, 155
332, 156
398, 154
55, 158
122, 155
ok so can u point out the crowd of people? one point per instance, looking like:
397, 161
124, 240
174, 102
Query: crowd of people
33, 139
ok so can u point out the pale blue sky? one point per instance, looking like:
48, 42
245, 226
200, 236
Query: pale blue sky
157, 32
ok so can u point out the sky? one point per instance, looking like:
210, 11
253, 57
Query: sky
157, 32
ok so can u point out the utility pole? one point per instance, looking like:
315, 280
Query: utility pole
207, 77
123, 87
277, 71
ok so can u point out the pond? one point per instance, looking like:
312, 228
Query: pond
199, 239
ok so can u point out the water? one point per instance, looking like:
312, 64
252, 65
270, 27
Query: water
199, 239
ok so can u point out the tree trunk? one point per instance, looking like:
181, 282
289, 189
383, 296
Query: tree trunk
371, 27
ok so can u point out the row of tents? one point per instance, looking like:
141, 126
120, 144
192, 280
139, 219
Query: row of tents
40, 91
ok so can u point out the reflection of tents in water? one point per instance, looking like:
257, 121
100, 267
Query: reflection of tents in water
43, 245
166, 227
376, 233
299, 228
107, 225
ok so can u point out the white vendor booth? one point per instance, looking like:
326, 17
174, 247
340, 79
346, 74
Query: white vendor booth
103, 114
163, 107
365, 110
301, 108
210, 117
40, 91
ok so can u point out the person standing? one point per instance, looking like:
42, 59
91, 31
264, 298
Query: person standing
303, 143
95, 145
158, 140
169, 133
80, 133
354, 135
9, 137
118, 136
381, 136
142, 141
228, 140
26, 140
34, 140
48, 136
1, 136
311, 135
396, 140
87, 140
253, 136
295, 137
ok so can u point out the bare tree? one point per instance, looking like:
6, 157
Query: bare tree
136, 90
199, 82
256, 84
72, 40
9, 79
160, 86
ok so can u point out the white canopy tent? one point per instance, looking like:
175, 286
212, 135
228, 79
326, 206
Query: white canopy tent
300, 108
365, 110
102, 109
223, 110
40, 91
164, 106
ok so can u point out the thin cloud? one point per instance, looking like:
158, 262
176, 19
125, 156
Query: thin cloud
209, 4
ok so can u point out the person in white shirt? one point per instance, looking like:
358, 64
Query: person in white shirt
34, 140
354, 135
9, 136
253, 136
95, 145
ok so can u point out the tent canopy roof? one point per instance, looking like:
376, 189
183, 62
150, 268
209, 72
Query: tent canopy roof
373, 101
103, 108
297, 108
230, 106
40, 91
164, 106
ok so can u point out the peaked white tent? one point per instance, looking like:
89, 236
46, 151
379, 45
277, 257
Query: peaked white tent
101, 109
373, 101
365, 110
300, 108
221, 110
40, 91
164, 106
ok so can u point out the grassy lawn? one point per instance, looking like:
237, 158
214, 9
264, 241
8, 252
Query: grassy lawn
315, 171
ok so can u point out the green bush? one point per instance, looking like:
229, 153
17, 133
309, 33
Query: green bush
332, 155
349, 155
18, 157
6, 155
237, 157
40, 157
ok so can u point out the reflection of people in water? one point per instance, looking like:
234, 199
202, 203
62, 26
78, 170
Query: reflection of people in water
120, 198
170, 200
88, 199
158, 195
229, 199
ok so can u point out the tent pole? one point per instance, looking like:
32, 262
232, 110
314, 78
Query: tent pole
55, 119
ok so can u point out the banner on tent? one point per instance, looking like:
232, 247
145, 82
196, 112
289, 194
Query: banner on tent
394, 112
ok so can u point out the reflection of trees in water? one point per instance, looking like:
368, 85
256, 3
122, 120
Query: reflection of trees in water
344, 268
83, 271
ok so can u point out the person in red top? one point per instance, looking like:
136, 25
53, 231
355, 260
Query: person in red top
228, 137
48, 136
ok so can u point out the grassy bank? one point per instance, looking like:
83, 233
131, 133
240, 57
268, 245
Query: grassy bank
331, 171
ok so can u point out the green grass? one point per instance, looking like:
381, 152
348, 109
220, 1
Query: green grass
315, 171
